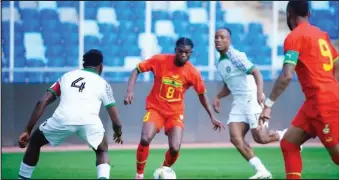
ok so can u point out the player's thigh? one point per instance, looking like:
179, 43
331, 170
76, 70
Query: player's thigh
153, 122
174, 121
238, 125
92, 134
54, 132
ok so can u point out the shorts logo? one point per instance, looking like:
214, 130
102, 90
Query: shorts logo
326, 130
329, 139
228, 69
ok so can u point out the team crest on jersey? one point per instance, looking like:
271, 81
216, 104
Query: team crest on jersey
326, 130
228, 69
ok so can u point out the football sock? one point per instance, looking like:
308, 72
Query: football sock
103, 171
142, 155
335, 159
25, 171
169, 159
292, 158
257, 164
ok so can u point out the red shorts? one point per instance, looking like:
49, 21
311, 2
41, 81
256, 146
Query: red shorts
319, 121
161, 120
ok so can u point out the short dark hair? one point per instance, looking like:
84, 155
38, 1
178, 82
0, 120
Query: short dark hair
92, 58
227, 29
184, 41
300, 8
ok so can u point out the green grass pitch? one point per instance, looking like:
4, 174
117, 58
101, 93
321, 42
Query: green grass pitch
192, 163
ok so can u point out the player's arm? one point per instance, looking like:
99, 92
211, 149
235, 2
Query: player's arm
49, 97
144, 66
292, 49
200, 89
110, 104
225, 91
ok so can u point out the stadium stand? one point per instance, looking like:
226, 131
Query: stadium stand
47, 33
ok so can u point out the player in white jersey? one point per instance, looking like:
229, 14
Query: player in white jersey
81, 93
244, 81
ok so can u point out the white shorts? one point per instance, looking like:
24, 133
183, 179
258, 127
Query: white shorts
251, 119
56, 133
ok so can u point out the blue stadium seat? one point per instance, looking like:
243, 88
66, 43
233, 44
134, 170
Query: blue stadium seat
204, 75
74, 4
107, 29
179, 16
160, 15
56, 61
35, 77
194, 4
91, 12
19, 77
55, 51
31, 26
267, 75
47, 14
126, 26
220, 15
236, 28
50, 26
5, 77
19, 51
72, 61
166, 41
53, 76
35, 63
20, 61
181, 27
124, 14
29, 14
105, 4
117, 76
255, 28
5, 4
261, 60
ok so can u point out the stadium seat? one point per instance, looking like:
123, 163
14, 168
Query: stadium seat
198, 16
51, 5
91, 28
107, 16
159, 5
68, 15
164, 28
28, 4
177, 6
194, 4
6, 14
34, 46
19, 77
180, 16
320, 5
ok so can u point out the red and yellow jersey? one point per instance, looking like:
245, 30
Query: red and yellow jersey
170, 83
310, 49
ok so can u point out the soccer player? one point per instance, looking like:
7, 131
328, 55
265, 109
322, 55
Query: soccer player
244, 81
309, 52
173, 75
81, 93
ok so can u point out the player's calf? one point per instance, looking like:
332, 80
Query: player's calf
262, 135
292, 157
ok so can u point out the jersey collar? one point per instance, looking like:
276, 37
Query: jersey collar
225, 56
90, 70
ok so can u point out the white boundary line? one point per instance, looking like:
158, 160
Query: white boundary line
153, 146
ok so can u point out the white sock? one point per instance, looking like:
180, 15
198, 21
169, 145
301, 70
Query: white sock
103, 171
257, 164
25, 171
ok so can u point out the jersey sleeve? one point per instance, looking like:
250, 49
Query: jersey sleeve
197, 82
292, 49
55, 88
107, 97
147, 65
241, 61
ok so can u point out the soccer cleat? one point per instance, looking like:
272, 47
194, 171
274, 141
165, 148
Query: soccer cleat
139, 176
262, 175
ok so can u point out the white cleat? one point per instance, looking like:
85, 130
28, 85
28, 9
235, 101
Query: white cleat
139, 176
262, 175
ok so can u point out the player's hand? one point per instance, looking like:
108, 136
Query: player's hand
23, 140
261, 98
117, 138
217, 125
265, 115
129, 98
216, 105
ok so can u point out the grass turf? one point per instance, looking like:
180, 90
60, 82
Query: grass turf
192, 163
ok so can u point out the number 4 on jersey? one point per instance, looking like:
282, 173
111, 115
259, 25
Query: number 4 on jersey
81, 86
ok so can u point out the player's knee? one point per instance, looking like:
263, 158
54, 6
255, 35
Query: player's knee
174, 148
237, 142
145, 140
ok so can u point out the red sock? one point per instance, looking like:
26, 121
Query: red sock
169, 159
335, 159
142, 155
293, 163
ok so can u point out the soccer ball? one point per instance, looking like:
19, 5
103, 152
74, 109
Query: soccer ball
164, 173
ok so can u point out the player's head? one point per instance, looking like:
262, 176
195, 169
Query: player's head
296, 11
93, 59
183, 50
222, 39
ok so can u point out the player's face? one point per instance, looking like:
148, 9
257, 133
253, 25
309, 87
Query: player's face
183, 54
222, 40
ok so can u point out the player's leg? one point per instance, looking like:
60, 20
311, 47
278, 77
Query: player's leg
295, 136
94, 135
152, 123
174, 128
49, 132
32, 154
261, 134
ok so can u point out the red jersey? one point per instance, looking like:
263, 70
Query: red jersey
310, 49
170, 83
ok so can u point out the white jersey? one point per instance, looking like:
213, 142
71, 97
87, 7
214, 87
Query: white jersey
234, 69
81, 93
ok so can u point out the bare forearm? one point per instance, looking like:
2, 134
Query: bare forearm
279, 87
259, 81
113, 114
131, 81
224, 92
204, 102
